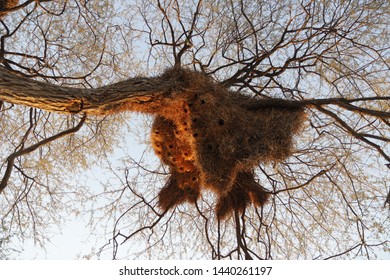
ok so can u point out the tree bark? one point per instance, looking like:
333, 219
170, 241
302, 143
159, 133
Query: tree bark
141, 94
136, 92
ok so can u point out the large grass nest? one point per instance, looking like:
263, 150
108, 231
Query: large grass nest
7, 4
212, 138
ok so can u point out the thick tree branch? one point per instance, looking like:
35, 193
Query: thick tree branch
21, 6
134, 92
340, 102
143, 94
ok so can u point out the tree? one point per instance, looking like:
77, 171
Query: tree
65, 87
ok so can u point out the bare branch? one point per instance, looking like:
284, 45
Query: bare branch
24, 151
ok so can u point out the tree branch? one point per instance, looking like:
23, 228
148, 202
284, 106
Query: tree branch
131, 94
24, 151
352, 132
341, 102
142, 94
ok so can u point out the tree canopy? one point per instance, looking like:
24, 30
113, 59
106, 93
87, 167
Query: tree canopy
80, 80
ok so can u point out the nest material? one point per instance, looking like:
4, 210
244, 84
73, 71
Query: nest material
8, 4
244, 191
184, 182
210, 139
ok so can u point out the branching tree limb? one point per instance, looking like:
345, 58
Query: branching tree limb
26, 150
